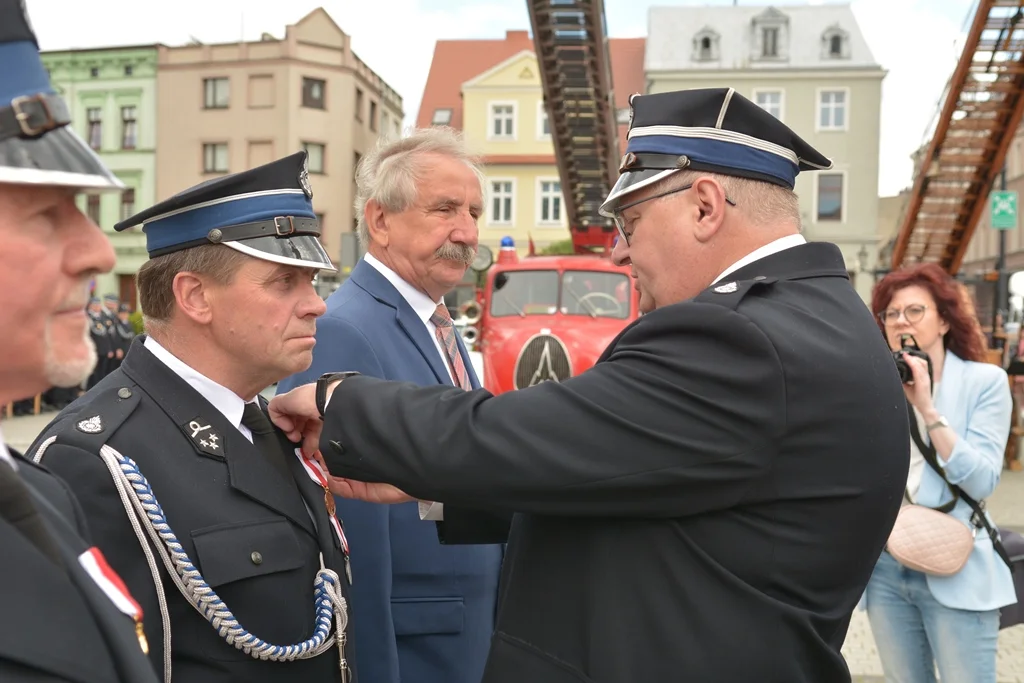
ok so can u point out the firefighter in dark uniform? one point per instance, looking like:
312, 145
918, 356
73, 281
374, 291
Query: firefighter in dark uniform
125, 329
707, 503
100, 335
63, 616
110, 319
214, 520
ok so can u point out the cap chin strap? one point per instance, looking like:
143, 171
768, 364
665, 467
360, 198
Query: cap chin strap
147, 518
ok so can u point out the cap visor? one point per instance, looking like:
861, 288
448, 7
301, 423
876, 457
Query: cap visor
59, 158
629, 182
302, 250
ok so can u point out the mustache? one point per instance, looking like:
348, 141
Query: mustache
451, 251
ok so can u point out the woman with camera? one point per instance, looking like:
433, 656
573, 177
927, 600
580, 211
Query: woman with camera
944, 607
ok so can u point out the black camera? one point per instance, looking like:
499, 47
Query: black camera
908, 345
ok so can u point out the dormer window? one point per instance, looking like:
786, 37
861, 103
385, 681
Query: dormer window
442, 117
770, 36
705, 46
835, 43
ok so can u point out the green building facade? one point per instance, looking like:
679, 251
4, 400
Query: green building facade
111, 93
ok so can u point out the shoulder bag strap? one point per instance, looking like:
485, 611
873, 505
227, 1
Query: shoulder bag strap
928, 451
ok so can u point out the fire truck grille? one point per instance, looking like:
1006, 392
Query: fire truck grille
544, 358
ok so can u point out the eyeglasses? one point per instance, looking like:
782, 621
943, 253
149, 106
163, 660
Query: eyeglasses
620, 222
912, 314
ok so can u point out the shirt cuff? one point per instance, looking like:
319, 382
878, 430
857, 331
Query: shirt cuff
431, 512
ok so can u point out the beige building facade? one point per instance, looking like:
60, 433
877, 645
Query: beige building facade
230, 107
809, 66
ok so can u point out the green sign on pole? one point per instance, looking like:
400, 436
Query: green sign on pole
1004, 210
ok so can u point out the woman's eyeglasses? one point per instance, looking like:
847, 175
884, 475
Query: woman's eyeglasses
912, 313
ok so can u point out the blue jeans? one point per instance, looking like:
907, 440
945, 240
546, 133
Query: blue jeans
913, 632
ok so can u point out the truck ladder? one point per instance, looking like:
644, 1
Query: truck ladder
571, 42
978, 120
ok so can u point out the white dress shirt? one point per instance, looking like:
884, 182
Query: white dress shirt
230, 404
424, 308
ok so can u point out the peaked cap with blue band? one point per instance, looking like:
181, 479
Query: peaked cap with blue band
715, 130
37, 146
265, 212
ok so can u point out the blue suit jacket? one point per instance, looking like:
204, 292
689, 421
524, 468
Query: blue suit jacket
422, 612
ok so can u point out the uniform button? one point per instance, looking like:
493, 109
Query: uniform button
124, 392
256, 557
337, 446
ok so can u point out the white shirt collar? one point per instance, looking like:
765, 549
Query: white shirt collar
5, 454
230, 404
767, 250
419, 301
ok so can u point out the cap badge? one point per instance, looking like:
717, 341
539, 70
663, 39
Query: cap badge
304, 179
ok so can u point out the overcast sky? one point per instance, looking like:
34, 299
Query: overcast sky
914, 40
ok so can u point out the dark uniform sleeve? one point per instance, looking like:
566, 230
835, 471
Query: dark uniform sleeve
680, 417
110, 530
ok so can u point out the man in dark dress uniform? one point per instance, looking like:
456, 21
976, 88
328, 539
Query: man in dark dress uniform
64, 615
707, 503
102, 340
110, 319
218, 525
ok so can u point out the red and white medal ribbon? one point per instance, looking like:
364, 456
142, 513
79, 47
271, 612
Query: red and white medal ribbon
317, 474
110, 583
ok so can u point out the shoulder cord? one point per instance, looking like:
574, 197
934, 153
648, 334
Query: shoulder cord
141, 505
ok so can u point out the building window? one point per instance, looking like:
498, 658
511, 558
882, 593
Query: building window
215, 157
442, 117
128, 70
550, 202
385, 123
313, 92
503, 117
315, 156
94, 116
705, 45
129, 128
501, 202
770, 42
127, 204
216, 93
359, 104
835, 43
373, 115
94, 72
832, 110
830, 197
770, 101
543, 122
92, 208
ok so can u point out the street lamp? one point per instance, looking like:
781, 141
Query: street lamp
862, 259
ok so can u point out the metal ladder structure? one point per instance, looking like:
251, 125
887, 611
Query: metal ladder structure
571, 42
978, 120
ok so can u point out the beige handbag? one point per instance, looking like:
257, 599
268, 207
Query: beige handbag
930, 541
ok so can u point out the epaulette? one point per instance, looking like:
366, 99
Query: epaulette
97, 420
731, 292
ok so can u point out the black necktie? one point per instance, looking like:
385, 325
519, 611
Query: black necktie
16, 507
264, 437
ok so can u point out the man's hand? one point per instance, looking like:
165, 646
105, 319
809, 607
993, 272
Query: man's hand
296, 415
360, 490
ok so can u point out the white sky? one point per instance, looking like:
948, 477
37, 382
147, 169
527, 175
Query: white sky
914, 40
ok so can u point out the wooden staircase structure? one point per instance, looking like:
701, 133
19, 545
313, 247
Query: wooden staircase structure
978, 120
571, 42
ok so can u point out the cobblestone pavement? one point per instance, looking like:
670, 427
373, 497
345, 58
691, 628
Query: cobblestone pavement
1006, 506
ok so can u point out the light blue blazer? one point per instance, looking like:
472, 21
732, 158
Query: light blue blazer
975, 398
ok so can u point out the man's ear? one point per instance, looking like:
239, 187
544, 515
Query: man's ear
192, 297
709, 197
376, 223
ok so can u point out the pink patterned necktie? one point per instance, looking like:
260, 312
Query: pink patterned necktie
445, 331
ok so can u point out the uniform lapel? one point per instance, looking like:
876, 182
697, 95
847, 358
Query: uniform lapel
210, 435
313, 494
